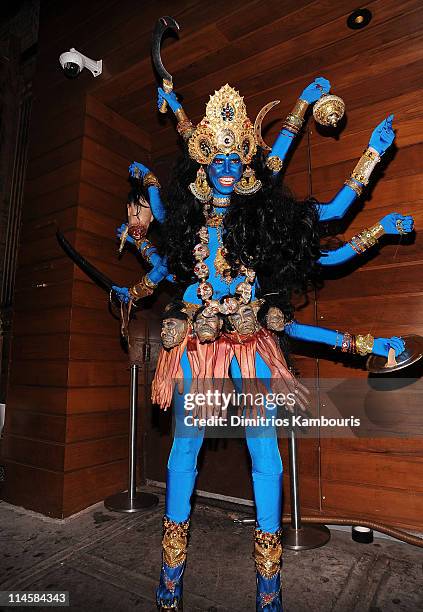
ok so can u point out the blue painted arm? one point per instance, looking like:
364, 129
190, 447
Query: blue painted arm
338, 206
285, 137
312, 333
138, 170
381, 139
346, 252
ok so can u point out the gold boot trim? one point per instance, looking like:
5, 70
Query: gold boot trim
267, 552
175, 540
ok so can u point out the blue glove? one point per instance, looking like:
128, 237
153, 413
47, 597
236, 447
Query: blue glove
138, 170
381, 346
170, 98
315, 90
383, 136
389, 223
119, 232
122, 293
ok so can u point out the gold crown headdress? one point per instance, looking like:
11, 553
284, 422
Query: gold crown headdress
224, 129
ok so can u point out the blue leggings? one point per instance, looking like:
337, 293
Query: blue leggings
265, 458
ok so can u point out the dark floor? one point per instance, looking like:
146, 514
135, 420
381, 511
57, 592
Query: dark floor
110, 562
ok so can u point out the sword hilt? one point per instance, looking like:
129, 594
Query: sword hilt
167, 88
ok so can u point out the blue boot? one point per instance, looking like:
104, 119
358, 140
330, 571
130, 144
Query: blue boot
175, 539
267, 556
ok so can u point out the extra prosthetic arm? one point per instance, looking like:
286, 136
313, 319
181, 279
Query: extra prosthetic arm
382, 137
348, 343
151, 279
150, 182
294, 122
392, 224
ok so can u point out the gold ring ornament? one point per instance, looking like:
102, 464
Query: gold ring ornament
329, 110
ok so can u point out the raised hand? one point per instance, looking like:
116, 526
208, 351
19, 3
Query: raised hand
170, 98
122, 293
381, 346
315, 90
138, 170
119, 232
383, 135
390, 223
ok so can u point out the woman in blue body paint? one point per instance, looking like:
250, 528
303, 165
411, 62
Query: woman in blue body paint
240, 244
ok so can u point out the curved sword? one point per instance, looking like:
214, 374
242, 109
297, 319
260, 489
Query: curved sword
98, 277
162, 24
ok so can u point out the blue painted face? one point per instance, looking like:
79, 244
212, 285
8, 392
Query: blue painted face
224, 171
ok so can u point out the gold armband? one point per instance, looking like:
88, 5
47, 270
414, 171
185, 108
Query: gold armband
142, 289
184, 125
365, 166
274, 163
295, 119
150, 180
364, 344
355, 186
366, 238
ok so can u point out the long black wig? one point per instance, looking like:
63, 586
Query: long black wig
269, 231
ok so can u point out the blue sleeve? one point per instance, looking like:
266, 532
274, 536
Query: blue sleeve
337, 256
156, 204
338, 206
312, 333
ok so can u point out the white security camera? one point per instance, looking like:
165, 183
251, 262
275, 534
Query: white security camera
73, 62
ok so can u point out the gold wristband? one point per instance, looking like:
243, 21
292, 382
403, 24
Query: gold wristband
364, 240
364, 344
184, 125
295, 119
365, 166
274, 163
150, 180
142, 289
377, 231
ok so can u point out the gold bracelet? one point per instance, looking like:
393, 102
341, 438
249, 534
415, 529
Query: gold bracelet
365, 166
377, 231
366, 238
274, 163
364, 344
355, 186
184, 125
144, 288
295, 119
150, 180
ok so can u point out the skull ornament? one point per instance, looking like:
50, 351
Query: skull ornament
201, 269
230, 306
200, 252
244, 291
204, 291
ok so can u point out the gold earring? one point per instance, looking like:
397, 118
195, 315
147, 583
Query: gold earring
248, 184
200, 188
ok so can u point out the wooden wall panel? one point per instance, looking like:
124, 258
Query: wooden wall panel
67, 404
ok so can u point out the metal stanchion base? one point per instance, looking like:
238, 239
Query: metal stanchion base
308, 536
122, 502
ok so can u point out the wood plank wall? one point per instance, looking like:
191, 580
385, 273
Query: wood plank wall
65, 443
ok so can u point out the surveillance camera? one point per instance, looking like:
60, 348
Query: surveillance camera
73, 62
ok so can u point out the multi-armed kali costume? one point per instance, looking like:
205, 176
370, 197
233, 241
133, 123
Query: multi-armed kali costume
241, 244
